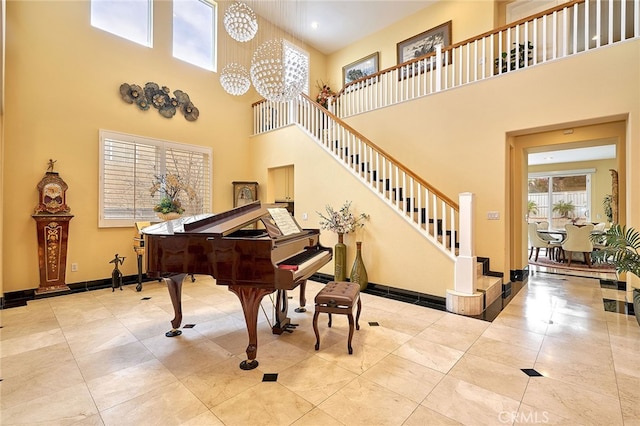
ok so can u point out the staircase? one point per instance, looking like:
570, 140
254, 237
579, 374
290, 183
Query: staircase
433, 214
488, 290
571, 28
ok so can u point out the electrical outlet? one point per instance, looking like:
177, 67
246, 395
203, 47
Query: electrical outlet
305, 216
74, 267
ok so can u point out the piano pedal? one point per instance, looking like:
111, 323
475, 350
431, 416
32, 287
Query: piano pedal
290, 328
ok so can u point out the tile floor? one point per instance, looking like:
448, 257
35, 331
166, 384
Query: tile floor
101, 358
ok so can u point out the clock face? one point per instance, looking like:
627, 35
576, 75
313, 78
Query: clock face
52, 195
52, 190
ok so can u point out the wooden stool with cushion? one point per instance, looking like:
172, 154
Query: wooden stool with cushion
338, 297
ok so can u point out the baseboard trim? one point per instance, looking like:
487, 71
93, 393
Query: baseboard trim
21, 297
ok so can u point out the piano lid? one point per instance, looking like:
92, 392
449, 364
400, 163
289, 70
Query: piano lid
175, 226
220, 224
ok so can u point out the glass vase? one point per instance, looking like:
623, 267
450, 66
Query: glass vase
358, 271
340, 259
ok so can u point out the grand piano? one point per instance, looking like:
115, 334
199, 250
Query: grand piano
254, 249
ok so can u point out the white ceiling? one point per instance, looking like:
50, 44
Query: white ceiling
571, 155
339, 22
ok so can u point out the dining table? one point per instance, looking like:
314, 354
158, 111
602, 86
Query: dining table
562, 233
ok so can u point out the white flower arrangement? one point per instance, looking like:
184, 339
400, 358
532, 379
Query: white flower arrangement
342, 221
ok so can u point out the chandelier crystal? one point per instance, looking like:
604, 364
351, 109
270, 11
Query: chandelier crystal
278, 71
234, 79
240, 22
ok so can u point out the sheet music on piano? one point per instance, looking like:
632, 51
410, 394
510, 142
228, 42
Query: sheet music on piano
284, 221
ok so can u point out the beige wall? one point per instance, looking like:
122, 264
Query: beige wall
469, 18
394, 253
62, 86
62, 80
458, 139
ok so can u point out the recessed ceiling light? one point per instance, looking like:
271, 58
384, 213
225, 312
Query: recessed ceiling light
314, 25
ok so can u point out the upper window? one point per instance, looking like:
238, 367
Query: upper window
131, 165
130, 19
194, 29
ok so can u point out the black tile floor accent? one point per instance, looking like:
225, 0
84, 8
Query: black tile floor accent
146, 298
270, 377
373, 323
531, 372
189, 326
618, 306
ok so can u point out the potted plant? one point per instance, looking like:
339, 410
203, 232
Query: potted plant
621, 249
170, 186
522, 54
532, 208
563, 208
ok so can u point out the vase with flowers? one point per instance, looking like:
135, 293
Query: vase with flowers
341, 221
324, 94
170, 186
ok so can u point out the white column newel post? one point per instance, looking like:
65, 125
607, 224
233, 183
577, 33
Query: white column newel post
438, 67
466, 263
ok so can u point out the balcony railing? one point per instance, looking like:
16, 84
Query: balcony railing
568, 29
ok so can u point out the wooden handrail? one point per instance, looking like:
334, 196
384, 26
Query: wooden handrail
461, 43
406, 170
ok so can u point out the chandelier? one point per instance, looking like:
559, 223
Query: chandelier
234, 79
240, 22
279, 71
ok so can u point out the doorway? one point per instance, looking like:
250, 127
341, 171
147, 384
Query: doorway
564, 139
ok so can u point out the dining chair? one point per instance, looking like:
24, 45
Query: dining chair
601, 226
599, 241
537, 242
578, 240
544, 226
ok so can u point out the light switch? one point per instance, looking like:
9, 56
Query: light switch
493, 215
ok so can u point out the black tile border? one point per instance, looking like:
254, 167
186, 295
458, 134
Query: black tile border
21, 297
614, 284
401, 295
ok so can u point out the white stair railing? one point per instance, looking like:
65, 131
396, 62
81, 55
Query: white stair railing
424, 207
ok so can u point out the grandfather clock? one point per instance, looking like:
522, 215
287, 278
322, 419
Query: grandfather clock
52, 223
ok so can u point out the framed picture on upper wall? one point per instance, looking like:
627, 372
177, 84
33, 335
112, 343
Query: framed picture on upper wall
360, 68
424, 43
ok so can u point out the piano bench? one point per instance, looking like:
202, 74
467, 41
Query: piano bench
338, 297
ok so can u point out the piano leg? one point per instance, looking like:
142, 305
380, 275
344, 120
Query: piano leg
283, 322
174, 285
303, 299
250, 298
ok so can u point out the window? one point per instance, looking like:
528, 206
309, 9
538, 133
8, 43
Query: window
560, 197
301, 56
129, 166
130, 19
194, 29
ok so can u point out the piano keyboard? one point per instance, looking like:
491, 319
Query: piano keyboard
302, 260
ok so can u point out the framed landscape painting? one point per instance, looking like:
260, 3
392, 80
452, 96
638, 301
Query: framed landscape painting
360, 68
424, 43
